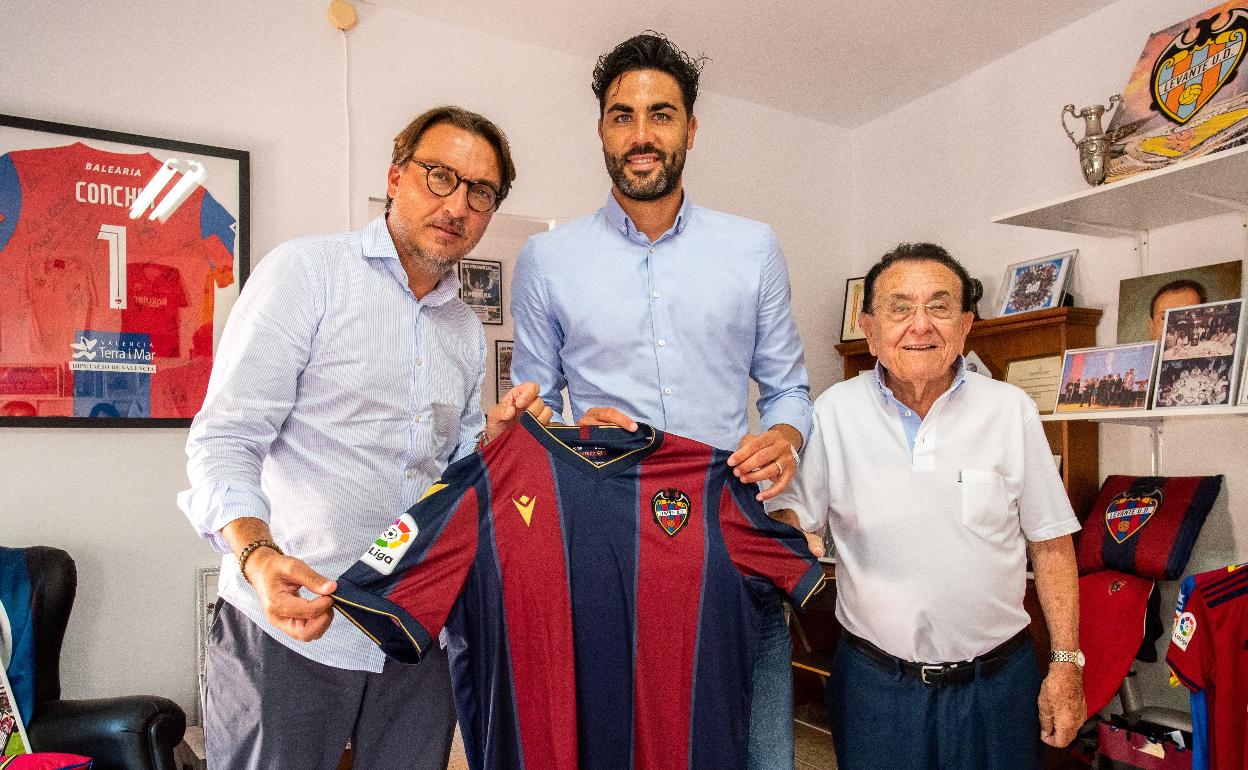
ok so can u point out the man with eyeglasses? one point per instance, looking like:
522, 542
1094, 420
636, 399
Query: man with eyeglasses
348, 377
656, 309
936, 483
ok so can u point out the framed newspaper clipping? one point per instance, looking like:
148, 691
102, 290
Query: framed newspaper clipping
120, 256
502, 368
481, 288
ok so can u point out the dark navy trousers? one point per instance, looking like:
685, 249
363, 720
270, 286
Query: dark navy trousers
882, 718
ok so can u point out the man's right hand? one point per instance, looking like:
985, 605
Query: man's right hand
605, 415
277, 579
789, 516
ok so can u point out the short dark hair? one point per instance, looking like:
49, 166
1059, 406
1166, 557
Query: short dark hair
917, 252
648, 51
1179, 285
407, 140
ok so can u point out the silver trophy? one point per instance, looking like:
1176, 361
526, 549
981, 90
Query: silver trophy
1094, 146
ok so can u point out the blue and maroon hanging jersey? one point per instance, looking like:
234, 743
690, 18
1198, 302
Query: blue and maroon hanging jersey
601, 590
1209, 655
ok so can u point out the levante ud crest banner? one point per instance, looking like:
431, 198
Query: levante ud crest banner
1187, 95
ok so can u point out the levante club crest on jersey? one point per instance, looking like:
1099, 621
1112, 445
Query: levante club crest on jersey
1197, 63
1127, 513
671, 510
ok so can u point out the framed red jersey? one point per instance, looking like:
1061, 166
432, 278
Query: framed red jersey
120, 257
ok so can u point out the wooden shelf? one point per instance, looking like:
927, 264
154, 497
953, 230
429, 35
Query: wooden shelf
1213, 184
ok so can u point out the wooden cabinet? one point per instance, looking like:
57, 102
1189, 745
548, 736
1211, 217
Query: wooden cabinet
998, 341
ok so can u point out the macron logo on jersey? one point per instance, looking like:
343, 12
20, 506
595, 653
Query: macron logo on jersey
386, 551
525, 506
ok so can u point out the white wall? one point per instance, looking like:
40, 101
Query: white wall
942, 167
268, 78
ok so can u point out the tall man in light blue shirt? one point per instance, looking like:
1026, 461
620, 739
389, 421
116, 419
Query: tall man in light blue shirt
653, 308
348, 376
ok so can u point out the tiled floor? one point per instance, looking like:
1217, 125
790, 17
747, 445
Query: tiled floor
814, 749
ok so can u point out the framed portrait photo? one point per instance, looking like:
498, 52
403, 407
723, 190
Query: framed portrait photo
121, 256
502, 368
481, 288
1114, 377
1200, 355
1038, 284
1143, 301
850, 328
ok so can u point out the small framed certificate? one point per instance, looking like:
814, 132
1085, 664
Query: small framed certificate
1039, 378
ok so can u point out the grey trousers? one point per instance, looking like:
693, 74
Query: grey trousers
270, 708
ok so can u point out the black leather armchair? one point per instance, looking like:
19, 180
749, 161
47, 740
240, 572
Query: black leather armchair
131, 732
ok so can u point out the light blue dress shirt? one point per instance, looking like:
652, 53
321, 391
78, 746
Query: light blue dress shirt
910, 419
669, 332
336, 399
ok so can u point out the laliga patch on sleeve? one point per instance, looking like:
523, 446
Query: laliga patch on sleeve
1184, 628
386, 551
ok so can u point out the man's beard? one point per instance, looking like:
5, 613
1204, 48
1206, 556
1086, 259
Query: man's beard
410, 251
660, 182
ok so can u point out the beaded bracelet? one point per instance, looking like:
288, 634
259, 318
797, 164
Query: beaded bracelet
250, 549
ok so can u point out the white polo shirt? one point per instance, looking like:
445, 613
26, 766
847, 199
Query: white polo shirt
930, 543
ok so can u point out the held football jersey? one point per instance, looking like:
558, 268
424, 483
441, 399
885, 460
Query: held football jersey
1209, 655
77, 265
601, 591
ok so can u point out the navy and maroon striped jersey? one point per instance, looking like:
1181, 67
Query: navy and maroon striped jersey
601, 591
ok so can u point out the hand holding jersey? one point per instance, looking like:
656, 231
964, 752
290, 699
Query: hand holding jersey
772, 454
277, 579
520, 399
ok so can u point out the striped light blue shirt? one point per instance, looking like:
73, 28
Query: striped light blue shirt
336, 399
669, 332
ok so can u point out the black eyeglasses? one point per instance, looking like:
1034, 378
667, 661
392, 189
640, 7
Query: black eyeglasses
443, 181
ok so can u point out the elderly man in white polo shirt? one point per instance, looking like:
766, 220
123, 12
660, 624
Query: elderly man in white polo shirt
936, 482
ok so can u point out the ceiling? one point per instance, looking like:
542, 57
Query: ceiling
843, 62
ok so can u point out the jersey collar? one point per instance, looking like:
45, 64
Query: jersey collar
561, 441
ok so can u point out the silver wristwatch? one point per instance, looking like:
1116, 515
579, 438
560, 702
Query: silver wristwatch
1067, 656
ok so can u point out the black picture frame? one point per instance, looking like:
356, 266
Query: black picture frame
852, 311
481, 288
502, 368
94, 331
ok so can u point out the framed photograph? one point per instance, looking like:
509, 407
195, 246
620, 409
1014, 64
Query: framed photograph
502, 367
1038, 378
205, 612
850, 330
1115, 377
481, 288
1143, 301
1037, 284
121, 255
1200, 355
